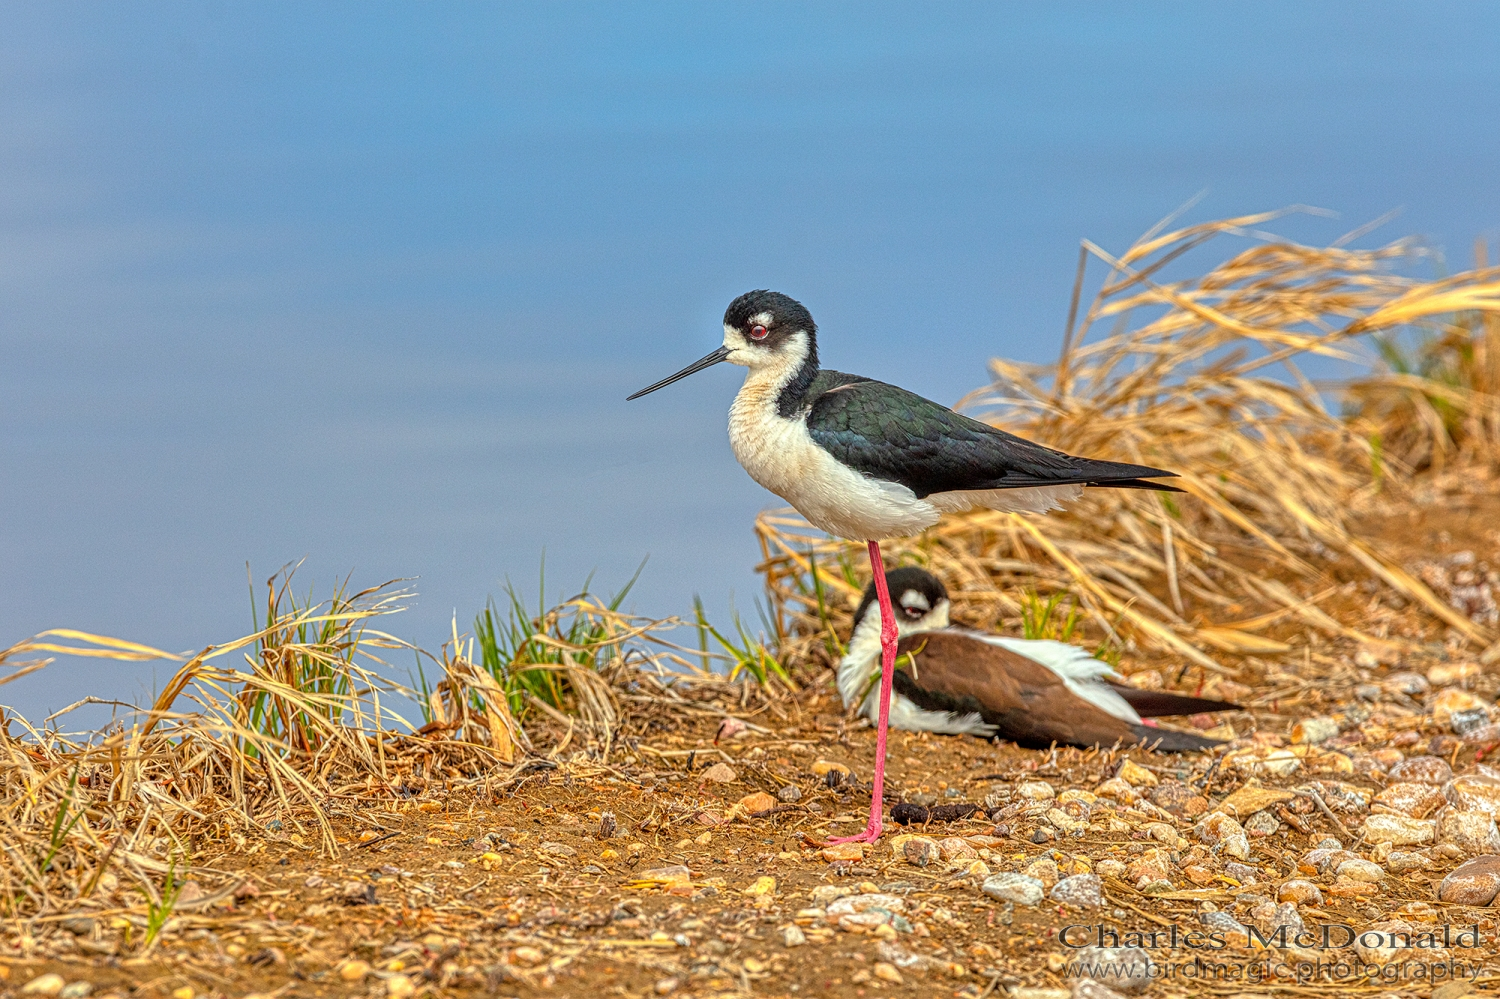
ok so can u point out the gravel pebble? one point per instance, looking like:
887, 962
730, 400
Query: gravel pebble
1018, 888
1476, 882
1129, 968
1083, 890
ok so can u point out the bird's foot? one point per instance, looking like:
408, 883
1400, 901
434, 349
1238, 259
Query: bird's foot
870, 835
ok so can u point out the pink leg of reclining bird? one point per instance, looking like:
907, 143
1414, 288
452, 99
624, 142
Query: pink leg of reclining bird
887, 674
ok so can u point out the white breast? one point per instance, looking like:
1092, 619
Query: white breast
781, 455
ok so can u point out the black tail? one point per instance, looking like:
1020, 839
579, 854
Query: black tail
1161, 487
1161, 703
1166, 740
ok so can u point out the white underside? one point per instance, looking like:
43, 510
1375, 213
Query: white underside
859, 672
781, 455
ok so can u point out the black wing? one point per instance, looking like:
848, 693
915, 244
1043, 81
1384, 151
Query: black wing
898, 436
1163, 703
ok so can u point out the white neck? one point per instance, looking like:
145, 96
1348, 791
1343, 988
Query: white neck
861, 660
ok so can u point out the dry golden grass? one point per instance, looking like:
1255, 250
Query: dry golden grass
302, 729
1205, 377
277, 731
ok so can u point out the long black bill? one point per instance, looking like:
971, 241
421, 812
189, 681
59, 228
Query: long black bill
696, 366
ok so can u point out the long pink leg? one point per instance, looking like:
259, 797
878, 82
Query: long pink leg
887, 674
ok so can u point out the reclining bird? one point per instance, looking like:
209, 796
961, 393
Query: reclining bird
864, 460
1034, 692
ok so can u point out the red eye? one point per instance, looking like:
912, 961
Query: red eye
757, 332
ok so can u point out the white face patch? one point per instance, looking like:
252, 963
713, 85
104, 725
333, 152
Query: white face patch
761, 319
914, 599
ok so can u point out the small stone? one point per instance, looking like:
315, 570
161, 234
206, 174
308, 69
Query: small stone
955, 849
1406, 683
1087, 988
792, 936
1177, 798
720, 773
1017, 888
1455, 990
354, 970
866, 901
822, 767
1243, 873
1252, 798
1136, 775
1041, 994
919, 851
357, 893
1110, 868
1117, 789
1399, 830
1451, 702
790, 793
1299, 891
44, 985
1152, 865
1377, 943
1472, 832
1200, 875
558, 849
1036, 790
763, 885
666, 986
1314, 730
1224, 833
760, 801
844, 851
399, 987
1235, 933
1475, 882
887, 973
1446, 673
1043, 869
1465, 723
923, 799
1422, 770
1083, 890
1124, 969
1262, 823
1400, 862
76, 990
182, 992
1360, 870
1286, 914
1415, 801
666, 874
1474, 793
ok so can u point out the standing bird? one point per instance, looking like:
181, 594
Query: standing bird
863, 460
1034, 692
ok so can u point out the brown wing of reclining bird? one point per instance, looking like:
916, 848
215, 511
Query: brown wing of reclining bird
1030, 704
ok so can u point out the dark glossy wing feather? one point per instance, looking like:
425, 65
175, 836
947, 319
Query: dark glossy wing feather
896, 435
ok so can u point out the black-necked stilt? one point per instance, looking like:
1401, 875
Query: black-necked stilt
1034, 692
864, 460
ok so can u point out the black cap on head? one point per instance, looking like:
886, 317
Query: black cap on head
788, 314
903, 580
